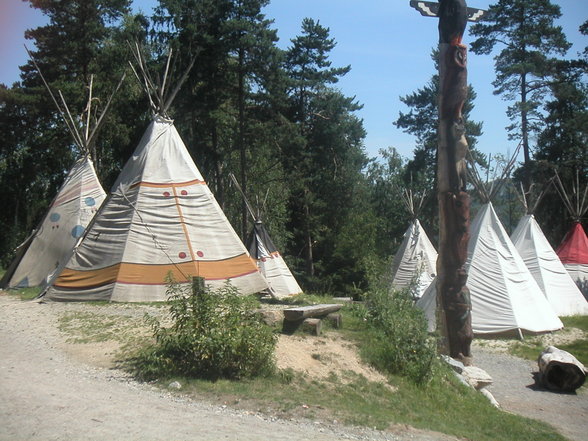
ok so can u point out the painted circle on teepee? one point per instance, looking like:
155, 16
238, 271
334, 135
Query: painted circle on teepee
184, 193
77, 231
166, 194
90, 201
200, 254
54, 217
263, 259
182, 255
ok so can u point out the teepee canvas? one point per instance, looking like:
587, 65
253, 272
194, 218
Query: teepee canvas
573, 250
573, 253
414, 264
271, 263
160, 220
72, 209
505, 296
77, 201
547, 269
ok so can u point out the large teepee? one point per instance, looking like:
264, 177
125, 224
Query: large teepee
573, 250
414, 264
270, 262
161, 219
505, 296
546, 267
71, 211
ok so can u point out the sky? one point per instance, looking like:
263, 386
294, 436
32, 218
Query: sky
386, 42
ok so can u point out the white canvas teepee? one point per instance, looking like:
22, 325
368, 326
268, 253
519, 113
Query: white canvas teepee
77, 201
161, 219
414, 264
71, 211
505, 296
547, 269
270, 262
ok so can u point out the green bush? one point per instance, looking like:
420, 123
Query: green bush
213, 334
398, 338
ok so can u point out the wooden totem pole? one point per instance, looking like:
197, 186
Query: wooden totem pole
453, 297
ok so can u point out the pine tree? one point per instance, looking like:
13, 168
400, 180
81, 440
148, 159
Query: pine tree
324, 160
525, 31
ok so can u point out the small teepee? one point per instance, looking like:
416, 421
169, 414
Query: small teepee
505, 296
269, 260
71, 211
545, 266
414, 264
573, 250
160, 220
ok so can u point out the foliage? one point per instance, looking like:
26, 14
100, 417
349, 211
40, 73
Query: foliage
398, 339
213, 334
530, 41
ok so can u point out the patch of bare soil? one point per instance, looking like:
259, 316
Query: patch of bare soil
321, 357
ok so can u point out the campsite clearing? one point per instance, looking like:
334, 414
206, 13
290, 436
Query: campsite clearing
74, 381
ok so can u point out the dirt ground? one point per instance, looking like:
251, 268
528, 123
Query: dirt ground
53, 389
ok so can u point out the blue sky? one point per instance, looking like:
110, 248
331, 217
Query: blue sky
386, 42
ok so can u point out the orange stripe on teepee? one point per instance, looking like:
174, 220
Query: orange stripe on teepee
170, 184
142, 274
184, 228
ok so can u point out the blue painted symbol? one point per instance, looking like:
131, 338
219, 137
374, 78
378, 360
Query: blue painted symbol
90, 201
54, 217
77, 231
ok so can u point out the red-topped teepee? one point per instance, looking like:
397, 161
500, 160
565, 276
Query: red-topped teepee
573, 250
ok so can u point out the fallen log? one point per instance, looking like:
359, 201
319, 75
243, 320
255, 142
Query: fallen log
296, 314
560, 371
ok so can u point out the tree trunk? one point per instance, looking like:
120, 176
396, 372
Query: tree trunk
308, 239
525, 135
241, 141
454, 204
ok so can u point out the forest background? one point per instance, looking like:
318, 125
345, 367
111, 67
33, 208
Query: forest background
275, 117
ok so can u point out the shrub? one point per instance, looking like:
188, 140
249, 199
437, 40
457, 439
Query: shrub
213, 334
398, 338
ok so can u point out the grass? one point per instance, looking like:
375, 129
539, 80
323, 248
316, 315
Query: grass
369, 404
531, 347
442, 405
91, 327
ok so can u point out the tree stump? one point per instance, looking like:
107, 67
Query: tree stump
335, 320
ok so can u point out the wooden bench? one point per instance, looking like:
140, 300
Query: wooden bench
310, 317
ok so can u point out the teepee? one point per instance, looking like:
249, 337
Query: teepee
160, 220
71, 210
270, 262
414, 263
573, 250
505, 296
545, 266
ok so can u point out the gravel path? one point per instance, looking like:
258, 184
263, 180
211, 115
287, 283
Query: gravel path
514, 388
47, 396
